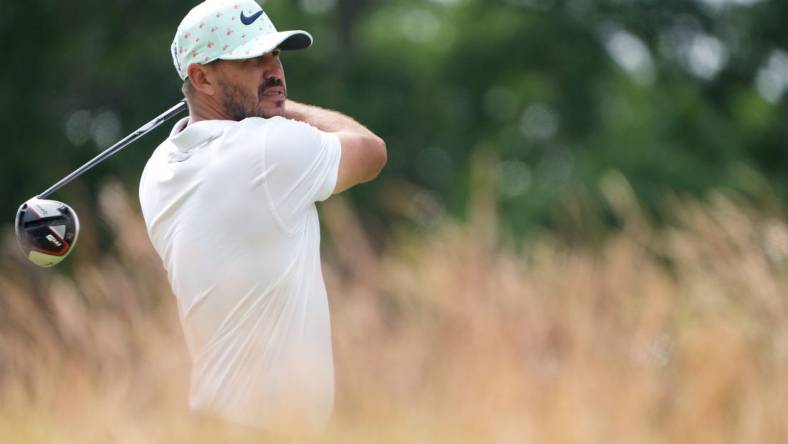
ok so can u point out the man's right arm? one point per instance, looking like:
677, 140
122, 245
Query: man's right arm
363, 152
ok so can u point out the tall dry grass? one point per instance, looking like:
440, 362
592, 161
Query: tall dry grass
663, 335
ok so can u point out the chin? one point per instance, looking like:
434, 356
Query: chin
277, 111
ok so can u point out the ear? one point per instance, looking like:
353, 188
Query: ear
203, 78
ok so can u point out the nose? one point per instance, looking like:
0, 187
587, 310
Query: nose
272, 66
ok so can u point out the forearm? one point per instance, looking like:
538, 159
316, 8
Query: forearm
363, 152
323, 119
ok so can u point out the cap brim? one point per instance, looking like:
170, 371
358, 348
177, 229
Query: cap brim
285, 40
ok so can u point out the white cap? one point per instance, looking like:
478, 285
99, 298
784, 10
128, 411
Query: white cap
229, 30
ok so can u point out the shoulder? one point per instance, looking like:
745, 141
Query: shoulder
279, 126
157, 160
156, 171
286, 136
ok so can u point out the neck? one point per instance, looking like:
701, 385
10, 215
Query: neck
204, 108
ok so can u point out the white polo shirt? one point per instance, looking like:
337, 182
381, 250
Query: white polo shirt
230, 208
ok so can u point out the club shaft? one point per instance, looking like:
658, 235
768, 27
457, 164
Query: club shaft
114, 149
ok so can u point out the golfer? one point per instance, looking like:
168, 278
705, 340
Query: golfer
229, 204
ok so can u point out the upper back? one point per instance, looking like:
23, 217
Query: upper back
226, 198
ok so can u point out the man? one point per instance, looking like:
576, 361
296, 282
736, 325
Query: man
229, 204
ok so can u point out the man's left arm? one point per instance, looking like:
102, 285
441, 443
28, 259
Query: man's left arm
363, 153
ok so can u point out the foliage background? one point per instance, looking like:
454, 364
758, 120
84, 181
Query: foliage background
679, 96
580, 235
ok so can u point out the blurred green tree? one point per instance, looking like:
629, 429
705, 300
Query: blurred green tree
679, 96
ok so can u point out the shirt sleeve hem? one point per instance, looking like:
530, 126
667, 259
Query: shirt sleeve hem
287, 230
330, 184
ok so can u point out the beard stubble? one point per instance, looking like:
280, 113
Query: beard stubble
239, 105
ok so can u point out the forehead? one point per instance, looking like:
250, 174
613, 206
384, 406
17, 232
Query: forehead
240, 65
231, 67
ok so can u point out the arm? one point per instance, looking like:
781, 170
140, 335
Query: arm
363, 152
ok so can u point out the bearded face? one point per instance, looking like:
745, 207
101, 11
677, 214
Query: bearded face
240, 101
252, 87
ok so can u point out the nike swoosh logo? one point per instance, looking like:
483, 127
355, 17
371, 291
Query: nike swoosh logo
249, 20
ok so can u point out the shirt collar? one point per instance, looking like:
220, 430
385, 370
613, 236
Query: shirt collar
186, 138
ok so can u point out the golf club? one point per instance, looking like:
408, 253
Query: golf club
47, 230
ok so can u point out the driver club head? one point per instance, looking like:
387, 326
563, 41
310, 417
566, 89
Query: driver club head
46, 230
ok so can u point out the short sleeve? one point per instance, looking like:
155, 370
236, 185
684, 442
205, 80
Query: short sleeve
302, 164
